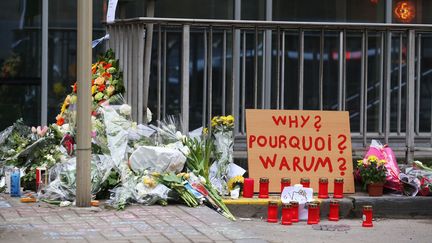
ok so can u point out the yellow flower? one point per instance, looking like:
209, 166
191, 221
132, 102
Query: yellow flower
372, 158
149, 182
205, 131
94, 89
382, 162
359, 163
235, 181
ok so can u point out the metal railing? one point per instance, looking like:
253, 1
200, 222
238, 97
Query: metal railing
201, 68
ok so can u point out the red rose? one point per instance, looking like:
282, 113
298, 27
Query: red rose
75, 87
101, 88
60, 121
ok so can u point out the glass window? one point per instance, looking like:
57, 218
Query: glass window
329, 10
20, 65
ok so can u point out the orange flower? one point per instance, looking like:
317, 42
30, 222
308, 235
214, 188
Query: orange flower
60, 120
106, 75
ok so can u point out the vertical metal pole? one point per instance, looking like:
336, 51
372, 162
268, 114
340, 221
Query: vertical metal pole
44, 71
388, 11
210, 75
321, 71
365, 87
410, 96
418, 85
256, 69
340, 69
268, 56
278, 67
140, 68
399, 111
381, 85
235, 83
282, 95
147, 58
185, 78
204, 91
84, 58
387, 82
224, 49
159, 73
301, 69
164, 77
243, 84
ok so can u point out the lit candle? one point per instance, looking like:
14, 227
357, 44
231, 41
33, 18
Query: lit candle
286, 214
305, 182
248, 187
312, 213
294, 211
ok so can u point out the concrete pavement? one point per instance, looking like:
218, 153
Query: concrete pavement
40, 222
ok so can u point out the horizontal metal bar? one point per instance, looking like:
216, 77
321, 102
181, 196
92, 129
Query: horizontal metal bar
267, 24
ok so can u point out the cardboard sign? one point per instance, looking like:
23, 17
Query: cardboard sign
299, 143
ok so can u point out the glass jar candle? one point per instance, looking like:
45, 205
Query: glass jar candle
248, 187
367, 216
294, 211
338, 188
312, 213
323, 188
263, 187
285, 181
272, 212
334, 210
286, 214
305, 182
318, 211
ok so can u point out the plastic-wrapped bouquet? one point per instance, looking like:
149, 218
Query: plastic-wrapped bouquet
223, 138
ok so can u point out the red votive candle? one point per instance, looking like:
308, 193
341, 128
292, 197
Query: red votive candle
272, 212
338, 188
286, 214
294, 211
367, 216
264, 187
285, 181
323, 188
334, 211
248, 187
312, 213
305, 182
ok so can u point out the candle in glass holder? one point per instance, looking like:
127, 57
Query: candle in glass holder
338, 188
264, 187
312, 213
294, 211
272, 212
248, 187
323, 188
367, 216
334, 210
286, 214
285, 181
305, 182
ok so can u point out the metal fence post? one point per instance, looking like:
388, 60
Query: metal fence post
185, 78
410, 96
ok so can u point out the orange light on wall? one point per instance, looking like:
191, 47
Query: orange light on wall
404, 11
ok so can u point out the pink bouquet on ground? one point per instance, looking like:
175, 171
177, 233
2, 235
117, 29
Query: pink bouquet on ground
384, 152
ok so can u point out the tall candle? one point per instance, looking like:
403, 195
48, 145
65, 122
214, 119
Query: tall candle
248, 187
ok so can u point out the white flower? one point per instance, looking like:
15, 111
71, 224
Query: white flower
149, 115
179, 136
202, 179
125, 109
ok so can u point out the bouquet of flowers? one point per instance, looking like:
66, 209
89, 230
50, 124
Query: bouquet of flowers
223, 138
372, 170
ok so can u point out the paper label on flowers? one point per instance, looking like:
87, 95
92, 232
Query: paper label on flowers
299, 143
